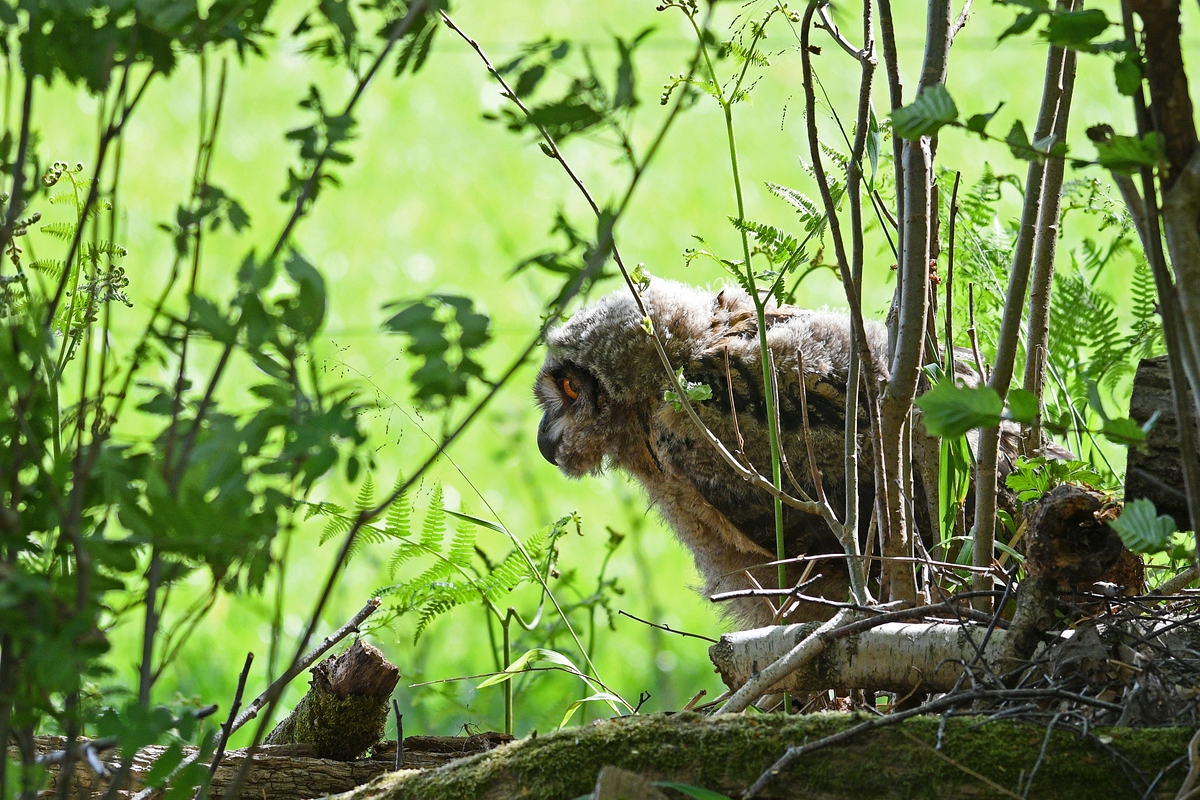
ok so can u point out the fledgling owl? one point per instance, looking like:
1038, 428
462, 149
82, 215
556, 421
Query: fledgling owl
602, 393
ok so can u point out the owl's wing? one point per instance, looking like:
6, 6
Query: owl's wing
729, 364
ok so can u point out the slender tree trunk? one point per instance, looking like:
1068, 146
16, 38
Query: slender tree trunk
1037, 353
1010, 325
912, 305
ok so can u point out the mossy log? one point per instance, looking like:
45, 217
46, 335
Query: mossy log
346, 707
727, 754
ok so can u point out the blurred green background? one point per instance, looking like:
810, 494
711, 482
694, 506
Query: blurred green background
439, 199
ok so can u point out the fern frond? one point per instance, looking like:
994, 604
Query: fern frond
366, 495
741, 54
51, 266
434, 526
63, 231
462, 546
811, 214
399, 517
337, 525
323, 510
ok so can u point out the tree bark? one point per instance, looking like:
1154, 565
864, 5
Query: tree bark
1156, 472
895, 657
281, 772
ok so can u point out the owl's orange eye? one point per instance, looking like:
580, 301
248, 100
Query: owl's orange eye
568, 389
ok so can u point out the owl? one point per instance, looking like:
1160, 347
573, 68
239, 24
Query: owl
602, 393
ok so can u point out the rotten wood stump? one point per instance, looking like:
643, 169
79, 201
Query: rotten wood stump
346, 707
1070, 546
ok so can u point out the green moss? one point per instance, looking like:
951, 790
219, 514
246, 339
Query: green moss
727, 754
339, 728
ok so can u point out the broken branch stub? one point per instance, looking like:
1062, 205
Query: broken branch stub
346, 706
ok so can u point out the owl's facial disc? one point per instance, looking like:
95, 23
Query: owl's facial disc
567, 394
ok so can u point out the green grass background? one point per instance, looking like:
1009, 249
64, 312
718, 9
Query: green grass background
439, 199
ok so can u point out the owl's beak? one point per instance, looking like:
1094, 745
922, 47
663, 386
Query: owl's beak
547, 441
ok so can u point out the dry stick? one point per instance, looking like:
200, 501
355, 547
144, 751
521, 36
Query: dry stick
849, 283
972, 334
846, 534
227, 727
857, 250
961, 21
270, 698
950, 278
276, 688
1180, 582
399, 734
1037, 349
884, 615
906, 559
666, 628
891, 63
939, 704
1010, 325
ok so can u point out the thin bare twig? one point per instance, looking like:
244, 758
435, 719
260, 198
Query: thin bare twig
227, 727
667, 628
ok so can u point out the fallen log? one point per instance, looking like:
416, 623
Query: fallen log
728, 753
281, 772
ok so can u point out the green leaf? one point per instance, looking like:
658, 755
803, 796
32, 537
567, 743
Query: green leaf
951, 410
873, 142
1128, 73
204, 315
602, 696
1076, 29
1126, 154
483, 523
954, 480
1142, 529
978, 122
1123, 430
1022, 23
695, 392
933, 109
1022, 405
1018, 142
526, 660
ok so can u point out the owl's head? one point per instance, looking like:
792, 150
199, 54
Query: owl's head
602, 375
